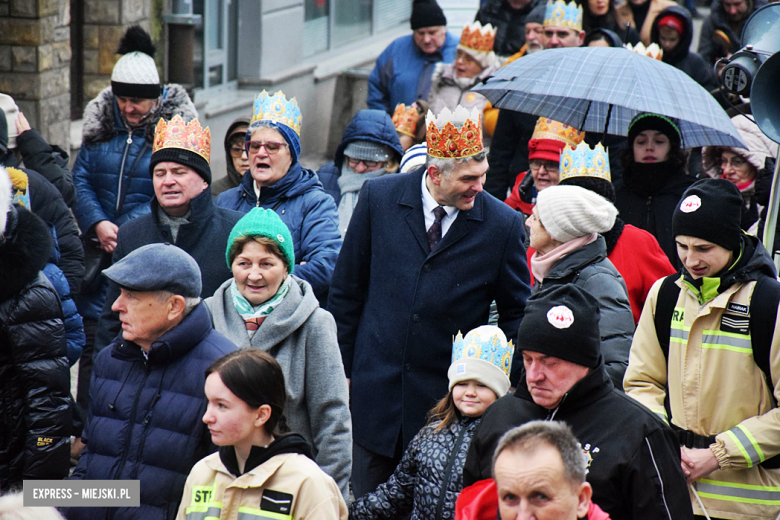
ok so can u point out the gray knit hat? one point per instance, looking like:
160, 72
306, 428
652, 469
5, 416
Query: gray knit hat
569, 212
368, 151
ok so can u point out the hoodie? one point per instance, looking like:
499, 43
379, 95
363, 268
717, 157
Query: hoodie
233, 177
302, 338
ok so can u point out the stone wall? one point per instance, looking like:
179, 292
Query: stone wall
35, 63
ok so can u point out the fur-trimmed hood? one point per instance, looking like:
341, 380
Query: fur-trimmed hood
102, 120
26, 250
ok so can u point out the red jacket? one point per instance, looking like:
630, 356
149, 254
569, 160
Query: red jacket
480, 502
639, 260
514, 201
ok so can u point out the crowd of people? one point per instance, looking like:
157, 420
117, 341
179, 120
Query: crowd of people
469, 313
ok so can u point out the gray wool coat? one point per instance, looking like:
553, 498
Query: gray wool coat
302, 338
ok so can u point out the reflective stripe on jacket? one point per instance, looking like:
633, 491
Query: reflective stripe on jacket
715, 388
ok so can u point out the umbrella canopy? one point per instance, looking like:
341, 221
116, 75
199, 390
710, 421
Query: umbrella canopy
584, 86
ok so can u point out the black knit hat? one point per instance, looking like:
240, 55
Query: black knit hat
647, 121
711, 210
562, 322
182, 156
427, 13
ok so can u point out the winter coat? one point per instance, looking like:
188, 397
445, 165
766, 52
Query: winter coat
309, 213
109, 157
145, 416
302, 338
35, 412
204, 238
523, 195
681, 56
367, 125
509, 24
635, 471
654, 213
50, 162
402, 73
47, 203
74, 327
708, 49
279, 482
398, 305
589, 269
233, 177
428, 479
714, 387
449, 91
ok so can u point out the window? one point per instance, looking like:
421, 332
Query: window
216, 43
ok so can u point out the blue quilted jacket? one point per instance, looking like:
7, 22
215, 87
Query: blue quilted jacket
309, 213
428, 479
145, 415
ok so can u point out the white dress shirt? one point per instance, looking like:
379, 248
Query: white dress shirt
429, 204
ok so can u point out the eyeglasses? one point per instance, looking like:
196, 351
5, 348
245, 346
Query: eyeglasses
369, 164
236, 151
270, 147
736, 162
550, 166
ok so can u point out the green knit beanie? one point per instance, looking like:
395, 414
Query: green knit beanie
265, 223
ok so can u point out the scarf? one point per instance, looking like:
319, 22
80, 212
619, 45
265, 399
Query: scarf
350, 184
541, 264
647, 179
254, 316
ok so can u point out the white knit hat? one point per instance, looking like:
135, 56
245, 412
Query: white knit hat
8, 105
5, 198
135, 74
569, 212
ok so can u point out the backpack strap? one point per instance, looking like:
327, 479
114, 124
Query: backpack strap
664, 309
763, 314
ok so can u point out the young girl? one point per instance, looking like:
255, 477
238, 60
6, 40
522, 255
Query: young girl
258, 471
429, 477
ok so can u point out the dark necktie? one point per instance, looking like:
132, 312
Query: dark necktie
434, 233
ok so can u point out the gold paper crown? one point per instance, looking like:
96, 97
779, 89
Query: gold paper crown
405, 119
548, 129
454, 135
277, 109
561, 14
478, 38
187, 136
584, 162
651, 51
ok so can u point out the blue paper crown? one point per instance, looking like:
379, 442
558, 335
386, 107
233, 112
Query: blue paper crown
487, 343
584, 162
561, 14
277, 109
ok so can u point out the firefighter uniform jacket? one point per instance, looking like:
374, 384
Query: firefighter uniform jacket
715, 387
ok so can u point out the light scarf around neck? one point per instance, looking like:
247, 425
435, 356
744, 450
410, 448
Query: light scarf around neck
254, 315
350, 184
541, 264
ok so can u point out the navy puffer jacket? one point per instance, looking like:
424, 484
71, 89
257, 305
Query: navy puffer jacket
35, 412
309, 213
367, 125
428, 479
145, 415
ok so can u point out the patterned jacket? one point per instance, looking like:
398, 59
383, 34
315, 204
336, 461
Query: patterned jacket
428, 479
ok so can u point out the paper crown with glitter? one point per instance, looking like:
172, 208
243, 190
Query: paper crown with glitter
277, 109
477, 37
561, 14
584, 162
454, 135
548, 129
186, 136
651, 51
483, 355
405, 119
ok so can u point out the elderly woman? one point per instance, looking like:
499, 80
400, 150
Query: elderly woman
654, 178
264, 306
743, 167
564, 229
369, 149
276, 180
474, 62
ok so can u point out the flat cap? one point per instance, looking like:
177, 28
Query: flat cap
158, 267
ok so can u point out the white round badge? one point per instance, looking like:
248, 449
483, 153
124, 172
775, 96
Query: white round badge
560, 317
690, 204
280, 238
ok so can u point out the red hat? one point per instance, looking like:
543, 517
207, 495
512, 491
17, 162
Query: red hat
672, 21
549, 139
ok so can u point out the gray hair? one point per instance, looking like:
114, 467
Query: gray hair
189, 302
553, 433
445, 166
